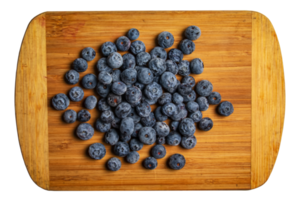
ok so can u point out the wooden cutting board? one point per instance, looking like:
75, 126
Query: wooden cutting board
242, 59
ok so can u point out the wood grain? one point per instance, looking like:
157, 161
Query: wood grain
268, 99
31, 102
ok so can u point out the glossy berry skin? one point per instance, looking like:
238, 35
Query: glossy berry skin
97, 151
70, 116
192, 106
127, 126
121, 149
133, 157
123, 43
189, 97
123, 110
160, 140
103, 90
76, 94
104, 77
107, 116
116, 75
137, 47
169, 109
157, 65
72, 77
133, 34
145, 76
174, 125
136, 118
113, 100
168, 81
162, 129
187, 127
102, 105
192, 32
135, 144
102, 66
188, 142
159, 115
111, 137
60, 101
158, 52
118, 88
197, 66
142, 58
176, 55
214, 98
225, 108
85, 131
116, 122
184, 68
158, 151
204, 88
128, 61
203, 103
187, 46
143, 109
172, 67
165, 98
114, 164
148, 121
153, 91
133, 94
83, 116
101, 126
176, 161
205, 124
189, 80
90, 102
88, 53
184, 89
173, 138
80, 65
108, 48
114, 60
165, 39
147, 135
177, 98
196, 116
150, 163
129, 76
137, 127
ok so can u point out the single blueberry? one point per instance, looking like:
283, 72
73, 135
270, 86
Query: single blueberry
60, 101
83, 116
142, 58
147, 135
174, 125
158, 151
123, 43
177, 98
176, 55
108, 48
88, 53
113, 100
129, 76
168, 81
150, 163
204, 88
189, 80
102, 66
148, 121
187, 46
196, 116
169, 109
225, 108
76, 94
203, 103
135, 144
85, 131
111, 137
128, 61
189, 97
188, 142
162, 129
157, 65
145, 76
116, 74
133, 94
158, 52
197, 66
172, 67
121, 149
153, 91
113, 164
192, 32
173, 138
90, 102
160, 140
137, 127
97, 151
70, 116
137, 47
159, 115
123, 110
214, 98
107, 116
103, 90
127, 126
102, 105
143, 109
133, 157
119, 88
176, 161
206, 124
104, 77
114, 60
133, 34
184, 68
192, 106
165, 98
165, 39
80, 65
187, 127
101, 126
89, 81
72, 77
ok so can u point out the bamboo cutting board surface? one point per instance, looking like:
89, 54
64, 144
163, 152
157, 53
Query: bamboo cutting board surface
242, 59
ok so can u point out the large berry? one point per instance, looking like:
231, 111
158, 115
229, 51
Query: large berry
147, 135
204, 88
85, 131
76, 94
88, 53
187, 46
123, 43
60, 101
97, 151
206, 124
187, 127
72, 77
192, 32
225, 108
176, 161
158, 151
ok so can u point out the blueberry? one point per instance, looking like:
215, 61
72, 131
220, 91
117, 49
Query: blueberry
160, 140
148, 121
157, 65
128, 61
127, 126
182, 113
176, 161
80, 65
145, 76
123, 43
90, 102
116, 74
101, 126
203, 103
176, 55
97, 151
159, 115
214, 98
153, 91
88, 53
133, 157
173, 138
169, 109
165, 98
113, 164
107, 116
121, 149
187, 127
83, 116
174, 125
123, 110
103, 90
129, 76
177, 98
150, 163
102, 105
76, 94
104, 77
189, 97
85, 131
70, 116
114, 60
158, 151
192, 32
189, 80
206, 124
113, 100
204, 88
187, 46
168, 81
139, 85
158, 52
165, 39
184, 68
225, 108
172, 67
137, 47
135, 144
149, 101
116, 122
133, 94
147, 135
133, 34
136, 118
119, 88
60, 101
72, 77
142, 58
162, 129
196, 116
197, 66
143, 109
108, 48
102, 66
192, 106
111, 137
89, 81
188, 142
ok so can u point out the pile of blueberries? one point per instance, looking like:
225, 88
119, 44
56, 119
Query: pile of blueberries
128, 85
